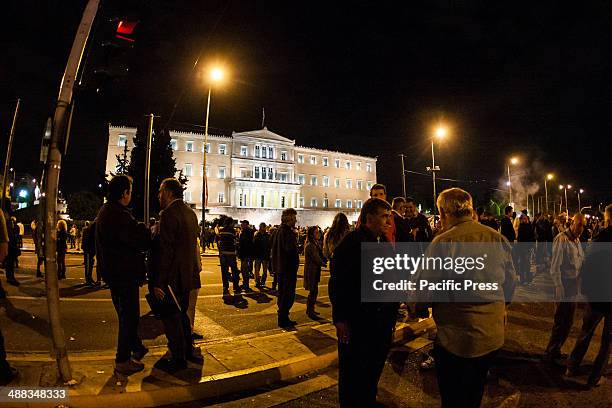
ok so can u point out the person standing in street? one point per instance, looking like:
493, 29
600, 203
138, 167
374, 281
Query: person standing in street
506, 227
245, 253
13, 251
61, 248
525, 237
261, 254
179, 267
417, 222
120, 244
335, 234
88, 245
596, 283
313, 262
7, 373
565, 265
285, 261
227, 257
364, 330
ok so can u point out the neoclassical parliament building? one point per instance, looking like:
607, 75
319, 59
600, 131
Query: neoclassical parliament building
254, 175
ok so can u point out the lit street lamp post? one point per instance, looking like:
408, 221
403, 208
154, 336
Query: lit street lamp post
565, 188
579, 206
216, 75
548, 177
513, 161
440, 133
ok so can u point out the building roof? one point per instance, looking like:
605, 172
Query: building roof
264, 134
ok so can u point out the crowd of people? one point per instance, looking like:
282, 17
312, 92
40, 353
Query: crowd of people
165, 254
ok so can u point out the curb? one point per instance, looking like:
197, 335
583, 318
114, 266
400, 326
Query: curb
215, 386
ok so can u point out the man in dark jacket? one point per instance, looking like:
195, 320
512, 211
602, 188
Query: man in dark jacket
227, 256
506, 228
120, 244
245, 253
178, 271
88, 245
261, 255
285, 261
364, 329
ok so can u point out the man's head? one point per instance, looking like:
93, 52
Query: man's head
399, 205
378, 191
262, 227
376, 216
508, 211
578, 223
411, 208
169, 190
454, 203
244, 224
120, 189
289, 217
229, 221
608, 216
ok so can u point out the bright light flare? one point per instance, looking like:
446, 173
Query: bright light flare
441, 132
581, 191
561, 187
514, 160
550, 176
216, 74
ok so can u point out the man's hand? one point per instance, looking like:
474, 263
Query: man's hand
559, 293
343, 332
159, 293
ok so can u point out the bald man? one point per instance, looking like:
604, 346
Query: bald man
567, 258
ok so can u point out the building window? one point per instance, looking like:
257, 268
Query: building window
270, 174
122, 140
349, 183
283, 156
207, 148
313, 159
243, 150
358, 166
347, 164
369, 167
242, 201
257, 172
370, 184
325, 181
359, 185
244, 173
337, 183
282, 201
325, 202
221, 198
270, 152
283, 177
313, 202
349, 203
221, 172
359, 204
262, 201
222, 148
313, 180
337, 163
338, 203
300, 158
301, 179
257, 151
264, 152
173, 144
188, 170
301, 202
189, 146
187, 196
325, 162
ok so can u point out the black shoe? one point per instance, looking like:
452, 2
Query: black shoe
196, 356
196, 336
129, 367
286, 323
91, 284
13, 282
170, 365
247, 290
139, 355
226, 292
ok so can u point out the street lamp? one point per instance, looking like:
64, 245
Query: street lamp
549, 176
579, 192
565, 188
440, 132
513, 161
215, 76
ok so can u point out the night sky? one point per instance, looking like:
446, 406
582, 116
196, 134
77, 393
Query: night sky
361, 77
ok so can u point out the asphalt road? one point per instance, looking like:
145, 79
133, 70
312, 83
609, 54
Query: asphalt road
90, 322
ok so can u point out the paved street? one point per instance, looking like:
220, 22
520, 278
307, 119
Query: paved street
90, 322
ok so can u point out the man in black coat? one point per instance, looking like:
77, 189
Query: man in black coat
364, 329
506, 228
88, 245
245, 253
120, 245
285, 261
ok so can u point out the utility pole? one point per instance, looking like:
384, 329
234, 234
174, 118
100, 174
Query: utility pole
9, 152
148, 169
403, 175
52, 171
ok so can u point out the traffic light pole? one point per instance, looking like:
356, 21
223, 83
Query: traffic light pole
52, 171
9, 151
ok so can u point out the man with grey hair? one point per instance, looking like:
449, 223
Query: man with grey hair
285, 263
469, 334
565, 265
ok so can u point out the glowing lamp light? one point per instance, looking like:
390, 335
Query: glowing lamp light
560, 187
550, 176
581, 191
23, 193
216, 74
569, 187
513, 160
507, 183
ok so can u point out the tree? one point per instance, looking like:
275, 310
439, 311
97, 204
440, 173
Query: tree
83, 205
122, 161
163, 165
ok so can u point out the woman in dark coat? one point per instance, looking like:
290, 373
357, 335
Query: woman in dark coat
62, 247
312, 269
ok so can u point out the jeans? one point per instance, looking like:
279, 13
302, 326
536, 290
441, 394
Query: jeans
227, 262
126, 300
89, 263
563, 320
61, 265
246, 267
461, 380
259, 263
